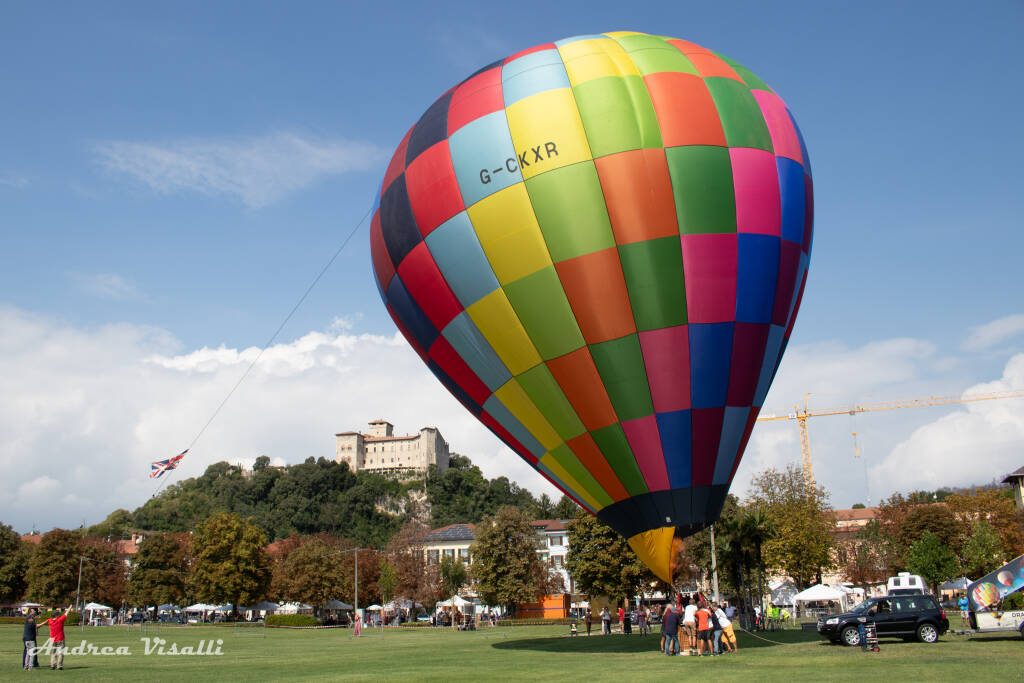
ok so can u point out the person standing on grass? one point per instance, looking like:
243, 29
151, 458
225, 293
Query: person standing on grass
588, 619
56, 625
964, 606
670, 629
716, 631
704, 631
29, 660
728, 635
606, 621
622, 621
690, 627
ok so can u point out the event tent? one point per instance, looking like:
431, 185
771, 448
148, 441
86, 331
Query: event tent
374, 608
294, 608
262, 606
95, 607
783, 593
822, 593
200, 607
337, 604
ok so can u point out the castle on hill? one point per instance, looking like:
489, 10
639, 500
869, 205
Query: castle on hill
402, 457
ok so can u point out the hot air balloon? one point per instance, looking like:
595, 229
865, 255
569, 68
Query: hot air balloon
599, 246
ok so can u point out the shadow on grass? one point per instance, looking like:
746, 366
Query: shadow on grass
619, 644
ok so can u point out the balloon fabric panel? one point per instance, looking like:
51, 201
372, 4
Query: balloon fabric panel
599, 246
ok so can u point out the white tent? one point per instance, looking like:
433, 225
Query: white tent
262, 606
460, 602
823, 594
373, 608
92, 608
294, 608
200, 607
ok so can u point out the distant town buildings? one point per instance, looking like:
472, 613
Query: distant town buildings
402, 457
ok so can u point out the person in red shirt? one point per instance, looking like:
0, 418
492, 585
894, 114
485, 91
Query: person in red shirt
704, 630
56, 625
622, 613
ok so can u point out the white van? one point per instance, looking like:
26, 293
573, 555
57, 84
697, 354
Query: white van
906, 583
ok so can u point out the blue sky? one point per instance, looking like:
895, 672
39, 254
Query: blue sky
173, 177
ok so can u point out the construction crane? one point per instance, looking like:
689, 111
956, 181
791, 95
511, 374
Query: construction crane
801, 414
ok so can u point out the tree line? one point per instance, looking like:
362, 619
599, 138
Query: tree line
228, 559
964, 534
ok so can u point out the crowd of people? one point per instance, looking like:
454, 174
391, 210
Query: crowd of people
704, 630
696, 629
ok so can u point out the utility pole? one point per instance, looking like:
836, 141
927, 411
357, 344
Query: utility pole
714, 565
357, 582
78, 591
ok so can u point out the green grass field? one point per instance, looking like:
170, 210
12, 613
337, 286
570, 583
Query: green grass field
536, 653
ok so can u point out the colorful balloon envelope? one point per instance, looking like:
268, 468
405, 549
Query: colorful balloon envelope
599, 246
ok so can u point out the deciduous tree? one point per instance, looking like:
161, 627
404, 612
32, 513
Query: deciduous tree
983, 550
230, 563
800, 520
160, 574
453, 577
53, 569
14, 560
417, 580
932, 560
995, 508
601, 561
312, 573
387, 580
869, 556
104, 574
934, 517
505, 565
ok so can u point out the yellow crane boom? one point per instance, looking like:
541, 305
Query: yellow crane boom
800, 415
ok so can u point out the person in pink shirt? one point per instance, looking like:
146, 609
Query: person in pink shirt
56, 625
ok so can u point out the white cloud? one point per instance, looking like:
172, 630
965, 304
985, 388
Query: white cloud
984, 337
259, 171
836, 375
90, 409
107, 286
13, 180
973, 445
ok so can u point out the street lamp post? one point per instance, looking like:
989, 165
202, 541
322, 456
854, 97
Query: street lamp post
714, 565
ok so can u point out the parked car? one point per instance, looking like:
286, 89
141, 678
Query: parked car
903, 616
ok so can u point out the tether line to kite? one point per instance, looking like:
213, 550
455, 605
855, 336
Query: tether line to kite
273, 338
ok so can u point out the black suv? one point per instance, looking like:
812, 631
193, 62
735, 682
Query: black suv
905, 616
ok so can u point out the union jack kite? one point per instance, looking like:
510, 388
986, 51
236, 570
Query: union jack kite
162, 466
